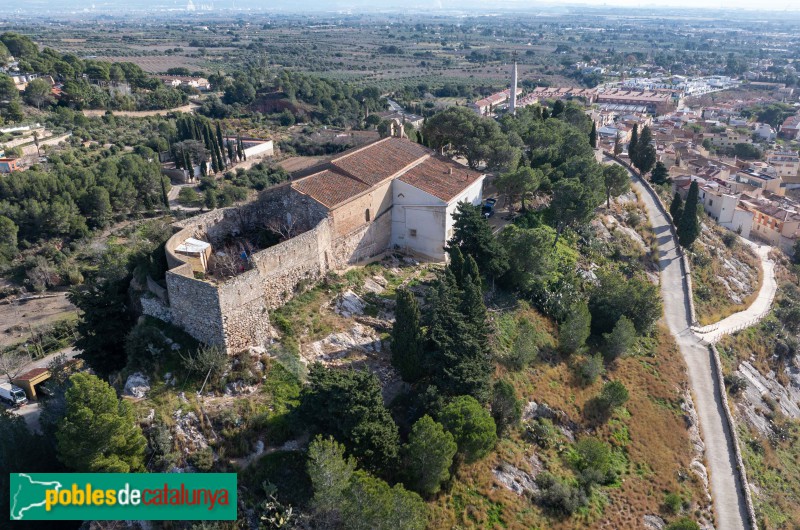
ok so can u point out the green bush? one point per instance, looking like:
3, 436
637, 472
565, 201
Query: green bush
557, 497
672, 503
203, 460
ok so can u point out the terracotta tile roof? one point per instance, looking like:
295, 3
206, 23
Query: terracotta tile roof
330, 188
31, 374
358, 170
434, 176
380, 160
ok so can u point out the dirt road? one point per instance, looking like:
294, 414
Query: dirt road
141, 113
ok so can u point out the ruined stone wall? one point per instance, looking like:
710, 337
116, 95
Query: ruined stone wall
235, 312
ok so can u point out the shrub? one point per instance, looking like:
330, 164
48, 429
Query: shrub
683, 523
524, 349
735, 384
672, 503
592, 459
557, 497
203, 459
506, 408
729, 239
589, 368
541, 432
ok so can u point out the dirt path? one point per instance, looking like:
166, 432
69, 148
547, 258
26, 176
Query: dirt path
757, 310
141, 113
726, 490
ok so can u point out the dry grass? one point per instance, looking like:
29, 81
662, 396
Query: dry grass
650, 432
712, 298
773, 467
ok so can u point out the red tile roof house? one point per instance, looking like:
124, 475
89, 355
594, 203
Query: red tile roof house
391, 194
790, 128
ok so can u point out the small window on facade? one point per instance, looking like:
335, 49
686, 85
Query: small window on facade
366, 214
711, 202
412, 232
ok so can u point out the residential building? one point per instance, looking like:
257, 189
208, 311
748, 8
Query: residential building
790, 129
200, 83
9, 165
774, 223
488, 105
761, 181
787, 165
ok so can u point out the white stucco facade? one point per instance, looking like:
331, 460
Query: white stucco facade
421, 222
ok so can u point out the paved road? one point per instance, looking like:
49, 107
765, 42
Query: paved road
729, 502
760, 306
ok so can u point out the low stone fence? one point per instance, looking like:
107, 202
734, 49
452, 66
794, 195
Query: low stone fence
743, 484
685, 265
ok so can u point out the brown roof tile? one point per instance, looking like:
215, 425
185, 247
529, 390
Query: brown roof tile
330, 188
380, 160
434, 176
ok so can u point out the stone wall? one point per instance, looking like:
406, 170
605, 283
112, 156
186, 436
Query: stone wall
363, 243
235, 312
195, 307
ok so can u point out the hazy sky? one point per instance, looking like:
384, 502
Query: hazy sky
417, 6
772, 5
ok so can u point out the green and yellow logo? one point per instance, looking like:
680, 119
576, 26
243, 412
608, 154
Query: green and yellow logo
123, 496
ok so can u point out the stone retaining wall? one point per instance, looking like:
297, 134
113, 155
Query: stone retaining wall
751, 512
685, 265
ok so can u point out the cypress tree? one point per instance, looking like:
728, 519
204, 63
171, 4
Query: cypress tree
633, 144
471, 270
456, 265
593, 136
445, 323
219, 135
407, 338
471, 372
164, 195
676, 208
689, 225
645, 152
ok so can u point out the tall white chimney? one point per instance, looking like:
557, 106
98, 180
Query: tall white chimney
513, 106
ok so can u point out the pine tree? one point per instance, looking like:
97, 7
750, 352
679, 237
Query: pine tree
407, 338
573, 332
689, 225
676, 208
634, 143
593, 136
